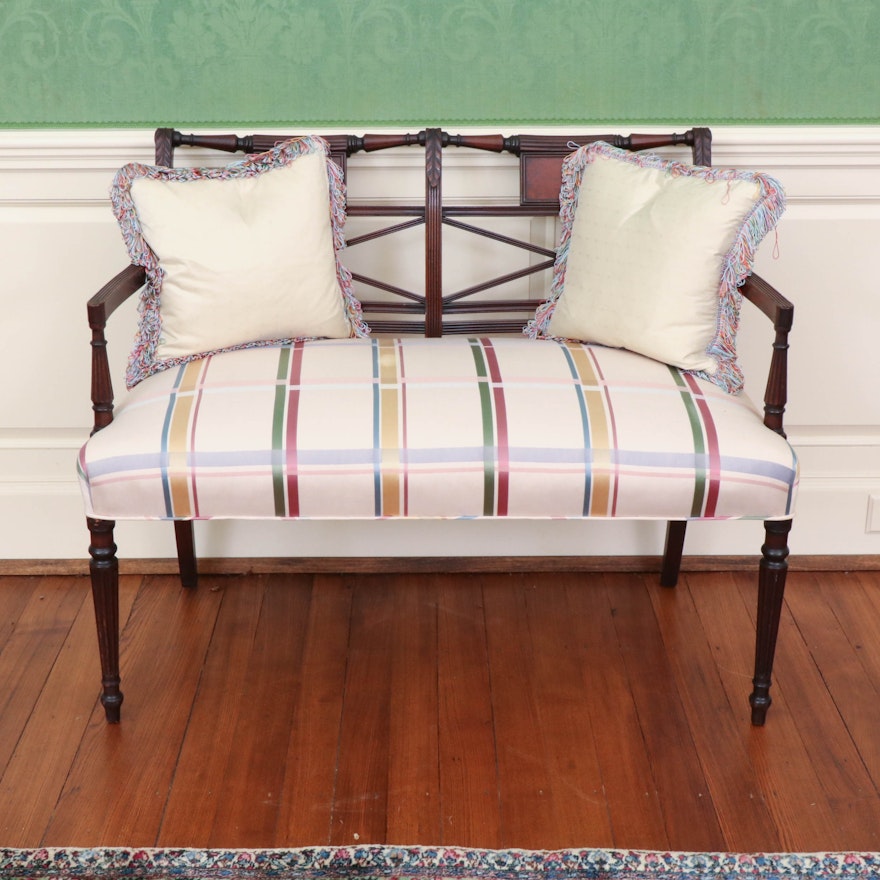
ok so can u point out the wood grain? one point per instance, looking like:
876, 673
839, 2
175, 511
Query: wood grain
470, 804
682, 787
717, 718
483, 709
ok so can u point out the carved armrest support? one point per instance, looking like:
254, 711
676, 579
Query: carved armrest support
781, 312
100, 307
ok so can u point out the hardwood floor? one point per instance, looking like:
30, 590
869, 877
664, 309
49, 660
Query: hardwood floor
489, 710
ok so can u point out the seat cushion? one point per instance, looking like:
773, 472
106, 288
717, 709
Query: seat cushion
453, 427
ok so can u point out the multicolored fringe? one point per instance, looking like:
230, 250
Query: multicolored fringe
430, 863
143, 361
736, 267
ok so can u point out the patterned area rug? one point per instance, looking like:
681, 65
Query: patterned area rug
427, 863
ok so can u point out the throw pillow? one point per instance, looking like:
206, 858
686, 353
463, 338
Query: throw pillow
652, 254
238, 256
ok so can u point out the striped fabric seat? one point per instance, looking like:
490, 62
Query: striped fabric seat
383, 427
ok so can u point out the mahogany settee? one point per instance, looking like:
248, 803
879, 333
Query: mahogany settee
455, 317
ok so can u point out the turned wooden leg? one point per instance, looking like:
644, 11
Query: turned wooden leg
104, 568
675, 531
771, 588
186, 552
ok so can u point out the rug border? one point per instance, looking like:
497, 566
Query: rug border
364, 861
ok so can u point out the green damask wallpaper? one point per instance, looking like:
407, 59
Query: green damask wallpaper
403, 62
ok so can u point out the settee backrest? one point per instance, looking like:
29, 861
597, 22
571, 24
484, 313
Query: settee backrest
507, 291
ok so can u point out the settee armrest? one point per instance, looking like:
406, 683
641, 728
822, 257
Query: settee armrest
781, 312
100, 307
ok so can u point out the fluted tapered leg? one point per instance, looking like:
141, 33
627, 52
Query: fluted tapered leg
104, 568
771, 588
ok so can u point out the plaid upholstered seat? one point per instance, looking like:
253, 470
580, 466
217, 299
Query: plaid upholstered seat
458, 427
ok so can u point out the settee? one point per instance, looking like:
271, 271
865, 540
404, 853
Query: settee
271, 380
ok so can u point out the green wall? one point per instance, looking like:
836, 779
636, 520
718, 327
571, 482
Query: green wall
403, 62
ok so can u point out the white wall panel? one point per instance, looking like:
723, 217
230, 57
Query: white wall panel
59, 243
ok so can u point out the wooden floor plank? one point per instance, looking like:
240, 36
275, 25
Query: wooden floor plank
631, 795
719, 728
361, 798
855, 694
468, 770
460, 709
13, 602
313, 746
528, 792
51, 738
842, 779
846, 712
413, 811
223, 694
543, 716
683, 790
854, 677
845, 781
567, 714
776, 751
253, 783
118, 787
30, 652
855, 600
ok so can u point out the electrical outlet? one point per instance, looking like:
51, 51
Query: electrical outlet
873, 523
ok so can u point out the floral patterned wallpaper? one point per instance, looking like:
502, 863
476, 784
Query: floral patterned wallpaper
404, 62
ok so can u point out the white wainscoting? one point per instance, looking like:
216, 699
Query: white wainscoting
59, 243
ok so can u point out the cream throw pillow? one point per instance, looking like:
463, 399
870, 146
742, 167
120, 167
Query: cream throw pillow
238, 256
652, 255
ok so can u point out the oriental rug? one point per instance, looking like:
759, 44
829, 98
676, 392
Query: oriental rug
427, 863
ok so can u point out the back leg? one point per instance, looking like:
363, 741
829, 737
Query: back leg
186, 552
675, 532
